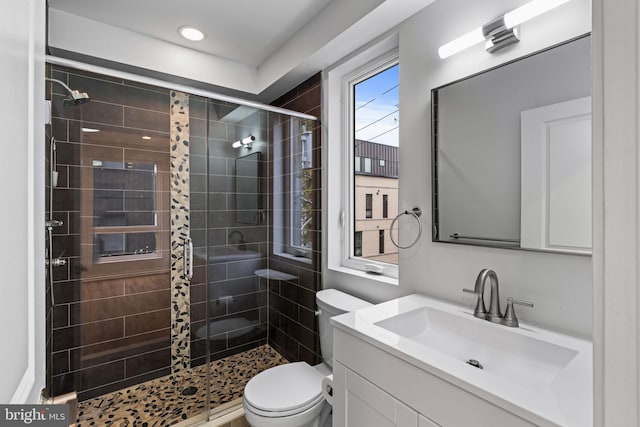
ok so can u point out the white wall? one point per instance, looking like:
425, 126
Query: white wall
559, 285
616, 194
22, 360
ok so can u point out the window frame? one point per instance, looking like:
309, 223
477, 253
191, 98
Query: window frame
348, 260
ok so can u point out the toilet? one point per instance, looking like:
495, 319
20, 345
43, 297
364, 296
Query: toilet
291, 395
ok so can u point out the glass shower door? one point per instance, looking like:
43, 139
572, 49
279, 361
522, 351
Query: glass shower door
120, 306
237, 232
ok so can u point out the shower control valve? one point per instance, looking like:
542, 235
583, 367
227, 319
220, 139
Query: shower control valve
57, 262
53, 223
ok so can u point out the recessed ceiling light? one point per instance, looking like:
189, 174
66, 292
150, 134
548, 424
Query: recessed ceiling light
191, 33
146, 137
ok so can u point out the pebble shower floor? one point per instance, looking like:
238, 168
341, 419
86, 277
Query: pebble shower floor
161, 402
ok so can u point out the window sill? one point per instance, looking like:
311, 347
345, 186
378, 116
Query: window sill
127, 258
362, 274
293, 257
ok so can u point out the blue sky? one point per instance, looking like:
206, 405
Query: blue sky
376, 102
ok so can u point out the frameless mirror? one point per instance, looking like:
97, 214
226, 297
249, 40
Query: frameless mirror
512, 154
248, 189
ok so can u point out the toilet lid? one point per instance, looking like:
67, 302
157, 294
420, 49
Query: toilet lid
284, 388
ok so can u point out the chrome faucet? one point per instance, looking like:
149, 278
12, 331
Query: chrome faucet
494, 314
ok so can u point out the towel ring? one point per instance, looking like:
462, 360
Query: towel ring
415, 212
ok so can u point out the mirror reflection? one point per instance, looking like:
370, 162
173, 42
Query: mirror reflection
124, 196
248, 189
512, 154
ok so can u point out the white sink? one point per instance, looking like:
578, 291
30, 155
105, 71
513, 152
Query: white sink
543, 376
515, 357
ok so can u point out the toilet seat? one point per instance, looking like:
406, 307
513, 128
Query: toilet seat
284, 390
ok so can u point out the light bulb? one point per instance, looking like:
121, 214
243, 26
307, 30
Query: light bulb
461, 43
191, 33
529, 11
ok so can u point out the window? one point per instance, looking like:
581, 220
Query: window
362, 98
357, 243
374, 117
293, 177
385, 206
301, 196
124, 210
124, 206
367, 165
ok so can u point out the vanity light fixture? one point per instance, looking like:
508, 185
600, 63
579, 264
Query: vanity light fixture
500, 32
244, 142
191, 33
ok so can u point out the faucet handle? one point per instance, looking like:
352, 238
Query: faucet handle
480, 311
510, 318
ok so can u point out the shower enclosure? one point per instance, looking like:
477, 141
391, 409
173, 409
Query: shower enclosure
159, 217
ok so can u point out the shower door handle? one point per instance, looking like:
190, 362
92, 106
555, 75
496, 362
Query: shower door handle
187, 258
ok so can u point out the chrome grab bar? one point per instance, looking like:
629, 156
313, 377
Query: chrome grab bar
490, 239
187, 258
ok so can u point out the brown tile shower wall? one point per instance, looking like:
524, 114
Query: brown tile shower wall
231, 296
293, 327
111, 321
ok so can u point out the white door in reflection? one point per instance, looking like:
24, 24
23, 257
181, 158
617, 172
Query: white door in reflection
556, 177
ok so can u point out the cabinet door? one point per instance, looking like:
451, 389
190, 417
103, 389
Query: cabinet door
366, 405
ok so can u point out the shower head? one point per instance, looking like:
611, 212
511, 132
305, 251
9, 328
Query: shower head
76, 97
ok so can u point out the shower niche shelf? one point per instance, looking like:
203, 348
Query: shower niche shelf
268, 273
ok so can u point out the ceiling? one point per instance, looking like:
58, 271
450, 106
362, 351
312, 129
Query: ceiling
261, 48
245, 31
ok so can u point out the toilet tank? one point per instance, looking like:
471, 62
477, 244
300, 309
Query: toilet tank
332, 302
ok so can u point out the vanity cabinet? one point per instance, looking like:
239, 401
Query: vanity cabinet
369, 405
375, 388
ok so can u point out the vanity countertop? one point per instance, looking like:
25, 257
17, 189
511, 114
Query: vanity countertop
543, 376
